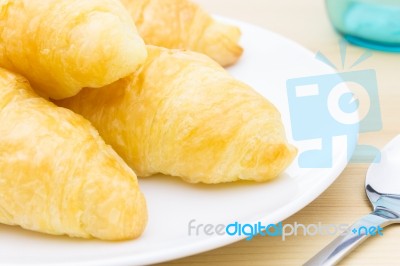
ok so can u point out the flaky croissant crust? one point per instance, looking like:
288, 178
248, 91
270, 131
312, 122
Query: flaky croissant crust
63, 46
182, 114
57, 175
182, 24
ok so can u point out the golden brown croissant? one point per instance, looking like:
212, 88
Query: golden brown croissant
182, 114
183, 24
63, 46
57, 175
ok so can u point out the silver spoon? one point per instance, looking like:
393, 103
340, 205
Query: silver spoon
382, 186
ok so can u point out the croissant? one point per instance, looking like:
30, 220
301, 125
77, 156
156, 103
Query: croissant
183, 24
63, 46
57, 176
182, 114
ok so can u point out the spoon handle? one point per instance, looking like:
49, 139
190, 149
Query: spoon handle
349, 240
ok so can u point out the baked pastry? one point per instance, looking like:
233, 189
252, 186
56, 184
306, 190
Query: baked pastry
183, 24
63, 46
182, 114
57, 175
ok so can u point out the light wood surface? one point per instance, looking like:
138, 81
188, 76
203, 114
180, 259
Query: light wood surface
306, 22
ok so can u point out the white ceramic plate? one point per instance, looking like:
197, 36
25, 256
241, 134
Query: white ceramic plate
268, 62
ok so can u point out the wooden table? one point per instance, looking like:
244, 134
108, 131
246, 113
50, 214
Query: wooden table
306, 22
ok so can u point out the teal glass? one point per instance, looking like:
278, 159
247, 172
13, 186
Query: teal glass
370, 23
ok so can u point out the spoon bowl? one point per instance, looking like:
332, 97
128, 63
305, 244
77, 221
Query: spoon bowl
383, 178
382, 186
